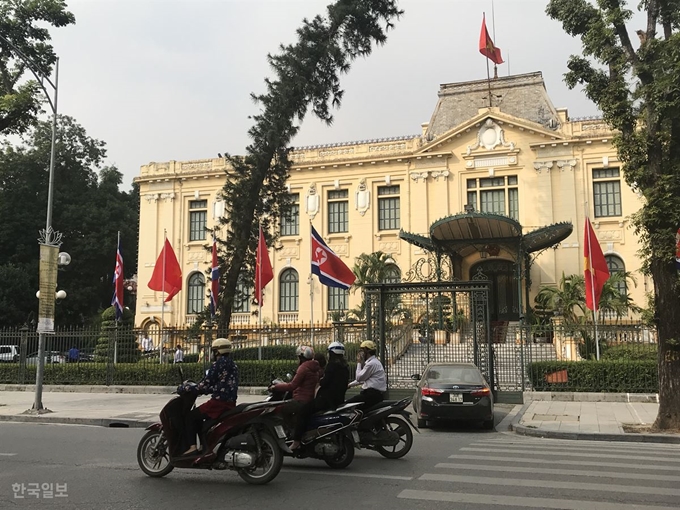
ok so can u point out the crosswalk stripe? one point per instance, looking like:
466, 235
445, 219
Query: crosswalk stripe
7, 454
551, 484
494, 458
581, 443
561, 472
336, 473
547, 451
519, 501
575, 448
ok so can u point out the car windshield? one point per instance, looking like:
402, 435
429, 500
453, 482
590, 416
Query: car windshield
455, 374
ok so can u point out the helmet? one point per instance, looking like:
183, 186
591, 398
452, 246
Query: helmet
222, 345
304, 351
337, 348
368, 344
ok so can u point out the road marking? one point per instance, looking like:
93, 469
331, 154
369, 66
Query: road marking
7, 454
551, 484
543, 503
564, 462
570, 442
547, 451
566, 472
336, 473
575, 447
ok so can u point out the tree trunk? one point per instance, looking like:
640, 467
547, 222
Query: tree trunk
668, 331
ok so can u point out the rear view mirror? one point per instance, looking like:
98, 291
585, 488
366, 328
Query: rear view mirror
415, 377
181, 373
289, 376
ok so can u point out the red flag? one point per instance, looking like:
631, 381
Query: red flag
486, 46
167, 275
596, 270
263, 268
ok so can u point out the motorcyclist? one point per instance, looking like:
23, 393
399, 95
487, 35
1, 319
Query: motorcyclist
303, 384
370, 375
331, 392
222, 381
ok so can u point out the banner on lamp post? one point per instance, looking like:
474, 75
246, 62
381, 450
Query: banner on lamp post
48, 288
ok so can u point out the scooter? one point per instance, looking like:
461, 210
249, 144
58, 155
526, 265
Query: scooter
331, 436
247, 439
382, 431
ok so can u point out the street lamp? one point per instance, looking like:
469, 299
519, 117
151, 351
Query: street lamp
49, 239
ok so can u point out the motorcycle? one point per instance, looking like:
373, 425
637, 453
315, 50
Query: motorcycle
247, 439
330, 436
389, 435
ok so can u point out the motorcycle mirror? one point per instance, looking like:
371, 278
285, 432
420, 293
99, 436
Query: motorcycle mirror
181, 373
289, 376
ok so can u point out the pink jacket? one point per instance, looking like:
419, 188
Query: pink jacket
304, 383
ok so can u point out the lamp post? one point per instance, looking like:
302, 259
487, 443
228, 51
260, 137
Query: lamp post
49, 239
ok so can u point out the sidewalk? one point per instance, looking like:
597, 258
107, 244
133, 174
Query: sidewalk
591, 420
95, 408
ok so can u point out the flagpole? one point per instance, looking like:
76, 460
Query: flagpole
162, 340
311, 287
259, 281
493, 29
488, 76
118, 319
592, 286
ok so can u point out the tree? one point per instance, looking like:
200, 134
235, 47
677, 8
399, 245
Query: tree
89, 209
117, 340
306, 75
376, 267
22, 23
638, 92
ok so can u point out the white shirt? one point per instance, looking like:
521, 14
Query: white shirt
370, 374
179, 356
147, 344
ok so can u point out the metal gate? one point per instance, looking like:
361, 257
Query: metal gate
418, 323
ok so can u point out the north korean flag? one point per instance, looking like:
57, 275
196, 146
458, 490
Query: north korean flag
330, 269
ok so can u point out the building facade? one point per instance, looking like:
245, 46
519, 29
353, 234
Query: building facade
519, 158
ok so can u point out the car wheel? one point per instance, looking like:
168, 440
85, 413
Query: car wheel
487, 424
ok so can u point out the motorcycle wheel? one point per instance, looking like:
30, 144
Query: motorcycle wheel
402, 428
153, 455
267, 466
345, 457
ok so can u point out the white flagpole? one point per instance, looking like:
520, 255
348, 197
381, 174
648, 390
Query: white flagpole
259, 280
311, 287
592, 287
162, 340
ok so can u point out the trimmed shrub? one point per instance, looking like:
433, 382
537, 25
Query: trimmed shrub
595, 376
122, 337
631, 352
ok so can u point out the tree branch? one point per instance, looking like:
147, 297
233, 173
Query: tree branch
652, 18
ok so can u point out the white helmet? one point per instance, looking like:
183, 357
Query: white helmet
222, 345
337, 348
304, 351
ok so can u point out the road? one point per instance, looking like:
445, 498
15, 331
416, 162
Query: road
448, 469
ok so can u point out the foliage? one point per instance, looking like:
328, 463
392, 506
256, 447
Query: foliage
596, 376
637, 88
631, 352
251, 373
23, 23
16, 297
89, 209
120, 337
306, 75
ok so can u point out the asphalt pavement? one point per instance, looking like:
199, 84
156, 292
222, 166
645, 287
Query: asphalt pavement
449, 468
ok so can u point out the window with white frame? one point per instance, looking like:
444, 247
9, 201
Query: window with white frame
606, 192
393, 274
290, 221
616, 265
337, 299
289, 283
198, 214
242, 297
338, 211
196, 294
497, 195
388, 208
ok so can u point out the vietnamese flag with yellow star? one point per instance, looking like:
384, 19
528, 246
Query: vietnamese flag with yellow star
486, 46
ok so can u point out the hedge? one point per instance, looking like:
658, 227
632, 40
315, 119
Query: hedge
251, 373
631, 352
595, 376
286, 352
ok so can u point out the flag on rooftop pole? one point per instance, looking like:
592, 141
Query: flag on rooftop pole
118, 292
487, 47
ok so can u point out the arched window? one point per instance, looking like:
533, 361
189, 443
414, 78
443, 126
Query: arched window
616, 265
288, 291
393, 274
196, 294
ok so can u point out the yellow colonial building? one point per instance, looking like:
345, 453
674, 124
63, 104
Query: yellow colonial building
473, 179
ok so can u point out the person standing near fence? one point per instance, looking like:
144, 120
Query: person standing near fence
179, 354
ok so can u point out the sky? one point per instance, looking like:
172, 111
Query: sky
161, 80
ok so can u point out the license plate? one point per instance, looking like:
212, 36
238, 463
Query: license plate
280, 432
455, 398
355, 436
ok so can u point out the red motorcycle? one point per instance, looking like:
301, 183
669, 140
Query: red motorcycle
247, 439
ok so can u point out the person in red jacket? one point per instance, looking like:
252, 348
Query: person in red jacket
303, 385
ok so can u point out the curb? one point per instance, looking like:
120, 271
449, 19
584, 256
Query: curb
596, 436
100, 422
574, 396
130, 390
